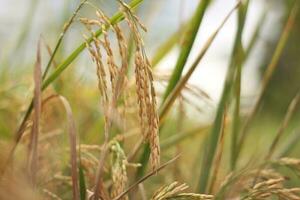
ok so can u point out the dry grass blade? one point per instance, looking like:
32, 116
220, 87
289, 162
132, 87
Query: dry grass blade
181, 84
155, 171
49, 51
33, 152
73, 151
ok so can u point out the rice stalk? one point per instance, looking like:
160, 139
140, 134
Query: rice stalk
237, 59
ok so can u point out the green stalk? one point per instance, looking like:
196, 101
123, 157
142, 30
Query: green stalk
186, 46
213, 138
238, 60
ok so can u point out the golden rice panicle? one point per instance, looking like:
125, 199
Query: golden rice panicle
168, 191
272, 188
112, 67
121, 80
271, 183
145, 88
174, 191
116, 76
89, 22
96, 56
121, 43
290, 162
118, 168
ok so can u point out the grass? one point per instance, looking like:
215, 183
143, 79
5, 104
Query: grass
108, 140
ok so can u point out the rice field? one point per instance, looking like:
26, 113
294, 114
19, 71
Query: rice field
128, 131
